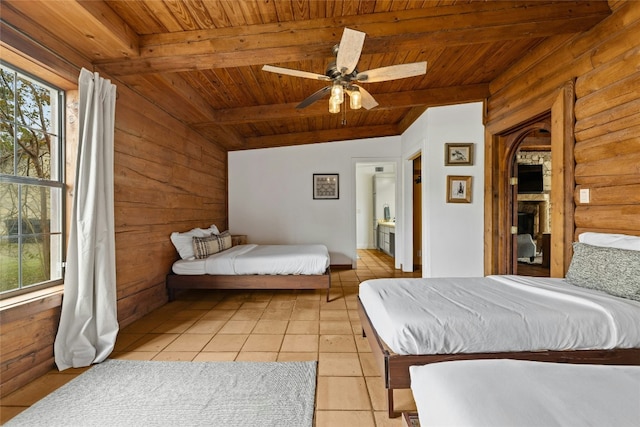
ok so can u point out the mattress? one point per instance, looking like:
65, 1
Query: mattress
497, 314
259, 259
498, 392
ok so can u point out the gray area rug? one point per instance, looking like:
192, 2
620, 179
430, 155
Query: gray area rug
135, 393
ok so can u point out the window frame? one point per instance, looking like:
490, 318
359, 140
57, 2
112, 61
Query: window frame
59, 183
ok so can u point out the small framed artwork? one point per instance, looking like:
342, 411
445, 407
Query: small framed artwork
325, 186
458, 154
458, 189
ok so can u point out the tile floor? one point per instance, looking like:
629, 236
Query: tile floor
264, 326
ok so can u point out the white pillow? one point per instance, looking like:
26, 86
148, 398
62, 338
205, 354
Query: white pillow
213, 229
183, 242
619, 241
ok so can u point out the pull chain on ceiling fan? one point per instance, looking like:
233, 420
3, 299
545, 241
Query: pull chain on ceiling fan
344, 75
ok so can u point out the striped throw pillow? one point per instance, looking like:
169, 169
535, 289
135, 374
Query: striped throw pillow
209, 245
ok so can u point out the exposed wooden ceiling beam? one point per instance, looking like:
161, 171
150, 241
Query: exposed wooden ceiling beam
423, 98
327, 135
96, 16
93, 22
410, 29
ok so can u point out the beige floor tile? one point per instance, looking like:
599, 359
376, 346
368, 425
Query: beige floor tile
276, 314
231, 342
183, 356
189, 314
254, 305
263, 343
153, 342
336, 302
215, 356
174, 327
125, 340
297, 356
339, 365
344, 418
205, 326
362, 343
243, 314
309, 304
229, 305
285, 305
378, 393
257, 356
342, 393
335, 327
369, 365
337, 343
334, 315
218, 314
134, 355
189, 342
300, 343
271, 327
238, 327
298, 327
305, 314
383, 420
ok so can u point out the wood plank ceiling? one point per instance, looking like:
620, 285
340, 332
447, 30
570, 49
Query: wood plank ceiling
201, 60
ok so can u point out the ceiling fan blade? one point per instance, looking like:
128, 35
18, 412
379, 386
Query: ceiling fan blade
368, 102
295, 73
392, 72
314, 97
349, 50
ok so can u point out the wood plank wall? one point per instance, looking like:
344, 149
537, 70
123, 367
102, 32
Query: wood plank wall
604, 63
167, 178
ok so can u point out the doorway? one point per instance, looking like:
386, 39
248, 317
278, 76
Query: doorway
531, 170
376, 209
417, 213
499, 193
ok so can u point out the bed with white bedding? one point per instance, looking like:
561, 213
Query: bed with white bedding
525, 393
590, 316
252, 266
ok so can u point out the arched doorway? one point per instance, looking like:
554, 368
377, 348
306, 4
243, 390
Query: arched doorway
529, 207
501, 147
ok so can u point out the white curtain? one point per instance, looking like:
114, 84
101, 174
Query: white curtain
88, 322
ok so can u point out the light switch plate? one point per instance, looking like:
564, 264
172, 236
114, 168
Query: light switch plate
584, 195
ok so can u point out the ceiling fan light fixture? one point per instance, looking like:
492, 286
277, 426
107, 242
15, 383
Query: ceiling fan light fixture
334, 105
355, 98
337, 92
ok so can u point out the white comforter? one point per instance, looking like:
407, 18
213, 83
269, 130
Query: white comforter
259, 259
496, 314
527, 394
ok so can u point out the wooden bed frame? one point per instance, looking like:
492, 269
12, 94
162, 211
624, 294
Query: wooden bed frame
253, 281
395, 367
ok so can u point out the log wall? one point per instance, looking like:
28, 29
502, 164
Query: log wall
605, 65
167, 178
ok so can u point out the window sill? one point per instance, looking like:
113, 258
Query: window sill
30, 303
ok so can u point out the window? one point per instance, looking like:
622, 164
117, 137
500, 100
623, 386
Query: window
31, 183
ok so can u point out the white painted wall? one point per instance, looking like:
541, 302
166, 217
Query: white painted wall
271, 198
453, 237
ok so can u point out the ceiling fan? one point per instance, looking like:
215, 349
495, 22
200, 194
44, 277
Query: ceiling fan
344, 75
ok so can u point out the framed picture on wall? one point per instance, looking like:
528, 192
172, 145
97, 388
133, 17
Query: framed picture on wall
458, 154
458, 189
325, 186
